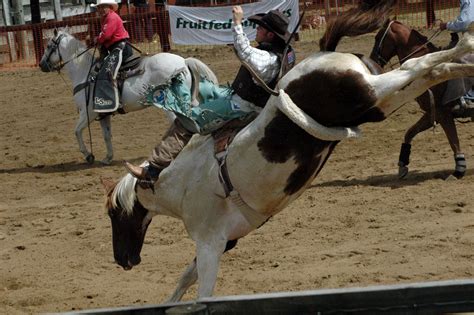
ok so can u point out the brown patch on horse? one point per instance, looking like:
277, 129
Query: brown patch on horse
333, 99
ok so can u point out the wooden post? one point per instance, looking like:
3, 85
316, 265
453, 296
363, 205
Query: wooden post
19, 19
430, 13
327, 6
8, 21
58, 14
37, 30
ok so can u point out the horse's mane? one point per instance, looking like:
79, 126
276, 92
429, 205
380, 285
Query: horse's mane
77, 47
368, 17
123, 195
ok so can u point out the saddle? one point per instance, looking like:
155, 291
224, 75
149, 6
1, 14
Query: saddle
129, 68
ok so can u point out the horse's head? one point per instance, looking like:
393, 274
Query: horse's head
129, 226
384, 47
53, 58
397, 39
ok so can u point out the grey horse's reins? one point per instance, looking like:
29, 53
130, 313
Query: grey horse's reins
84, 85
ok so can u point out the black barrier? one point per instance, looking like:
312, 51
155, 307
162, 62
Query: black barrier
436, 297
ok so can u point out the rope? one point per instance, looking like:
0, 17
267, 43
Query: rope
436, 34
87, 91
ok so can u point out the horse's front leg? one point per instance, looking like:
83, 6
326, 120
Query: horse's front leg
208, 258
404, 159
81, 124
105, 124
188, 278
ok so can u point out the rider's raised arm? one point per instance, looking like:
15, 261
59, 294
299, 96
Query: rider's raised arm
263, 62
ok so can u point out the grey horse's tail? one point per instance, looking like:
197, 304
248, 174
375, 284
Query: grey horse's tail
197, 66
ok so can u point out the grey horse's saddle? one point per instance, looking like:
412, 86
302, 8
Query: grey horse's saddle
129, 68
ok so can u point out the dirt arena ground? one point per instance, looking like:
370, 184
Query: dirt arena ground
357, 225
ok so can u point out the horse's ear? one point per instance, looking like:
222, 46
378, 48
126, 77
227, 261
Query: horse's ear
108, 184
55, 32
66, 29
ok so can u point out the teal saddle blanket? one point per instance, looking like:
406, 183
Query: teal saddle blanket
215, 109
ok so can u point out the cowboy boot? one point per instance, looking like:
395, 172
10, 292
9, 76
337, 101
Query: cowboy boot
146, 175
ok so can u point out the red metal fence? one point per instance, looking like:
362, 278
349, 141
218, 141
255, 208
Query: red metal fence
23, 45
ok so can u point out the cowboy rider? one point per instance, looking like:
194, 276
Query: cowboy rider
114, 49
265, 59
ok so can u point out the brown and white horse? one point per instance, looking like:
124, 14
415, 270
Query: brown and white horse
272, 160
397, 39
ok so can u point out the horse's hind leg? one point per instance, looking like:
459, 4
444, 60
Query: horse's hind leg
404, 159
188, 278
105, 124
81, 124
427, 62
446, 120
393, 89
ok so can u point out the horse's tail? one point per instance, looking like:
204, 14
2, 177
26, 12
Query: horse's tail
368, 17
197, 66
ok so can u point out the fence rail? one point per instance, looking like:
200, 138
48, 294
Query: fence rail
23, 45
437, 297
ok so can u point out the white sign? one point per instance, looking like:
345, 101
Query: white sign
213, 25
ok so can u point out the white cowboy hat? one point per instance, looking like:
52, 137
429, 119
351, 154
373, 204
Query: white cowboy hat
111, 3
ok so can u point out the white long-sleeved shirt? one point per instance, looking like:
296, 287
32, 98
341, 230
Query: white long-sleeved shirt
263, 62
466, 16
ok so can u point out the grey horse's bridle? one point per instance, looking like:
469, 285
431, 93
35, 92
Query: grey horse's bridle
53, 47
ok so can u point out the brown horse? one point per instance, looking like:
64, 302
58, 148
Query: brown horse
397, 39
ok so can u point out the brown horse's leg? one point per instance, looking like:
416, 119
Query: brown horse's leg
446, 120
404, 159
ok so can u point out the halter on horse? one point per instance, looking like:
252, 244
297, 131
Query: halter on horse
272, 160
65, 51
397, 39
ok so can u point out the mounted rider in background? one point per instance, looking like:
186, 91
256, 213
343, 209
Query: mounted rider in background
244, 100
114, 49
459, 87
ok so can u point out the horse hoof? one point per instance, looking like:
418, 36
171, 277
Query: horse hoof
402, 171
106, 161
458, 174
90, 159
451, 177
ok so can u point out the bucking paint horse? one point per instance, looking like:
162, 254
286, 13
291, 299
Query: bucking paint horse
276, 157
